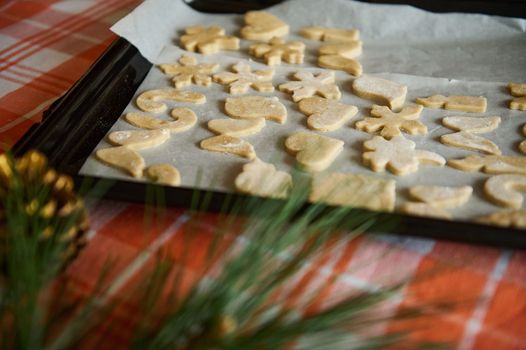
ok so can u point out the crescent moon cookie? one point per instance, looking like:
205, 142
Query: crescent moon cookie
391, 124
504, 190
397, 155
469, 141
150, 101
208, 40
139, 139
324, 114
455, 103
163, 173
122, 158
263, 26
330, 34
229, 145
184, 120
313, 152
475, 125
310, 84
354, 190
262, 179
380, 90
255, 107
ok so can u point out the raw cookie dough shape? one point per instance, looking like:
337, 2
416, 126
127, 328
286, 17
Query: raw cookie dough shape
398, 155
185, 118
207, 40
150, 101
262, 179
243, 78
475, 125
522, 145
139, 139
188, 70
391, 123
381, 91
504, 190
424, 209
310, 84
263, 26
518, 103
338, 62
313, 152
324, 114
490, 164
351, 49
123, 158
517, 89
469, 141
277, 49
229, 145
441, 196
164, 174
236, 127
507, 218
455, 103
330, 34
354, 190
251, 107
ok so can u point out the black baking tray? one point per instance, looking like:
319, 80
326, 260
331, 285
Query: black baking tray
75, 123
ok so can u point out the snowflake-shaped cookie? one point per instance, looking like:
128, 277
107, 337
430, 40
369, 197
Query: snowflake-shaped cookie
188, 70
398, 155
243, 78
207, 40
310, 84
276, 50
391, 124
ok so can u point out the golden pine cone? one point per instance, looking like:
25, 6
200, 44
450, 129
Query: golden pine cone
43, 198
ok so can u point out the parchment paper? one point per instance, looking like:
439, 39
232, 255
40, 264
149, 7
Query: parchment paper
445, 54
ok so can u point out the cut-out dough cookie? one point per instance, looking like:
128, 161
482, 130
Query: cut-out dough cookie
150, 101
123, 158
518, 103
236, 127
522, 145
163, 173
517, 89
506, 218
490, 164
391, 124
310, 84
424, 209
188, 70
338, 62
441, 196
351, 49
251, 107
475, 125
381, 91
139, 139
184, 119
262, 179
277, 49
207, 40
330, 34
504, 190
263, 26
313, 152
243, 78
455, 103
230, 145
324, 114
398, 155
469, 141
354, 190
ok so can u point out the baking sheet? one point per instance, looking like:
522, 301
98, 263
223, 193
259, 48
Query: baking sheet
430, 53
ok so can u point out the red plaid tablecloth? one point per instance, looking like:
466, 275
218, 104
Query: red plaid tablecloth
46, 45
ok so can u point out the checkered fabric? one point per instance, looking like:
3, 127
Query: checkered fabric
46, 45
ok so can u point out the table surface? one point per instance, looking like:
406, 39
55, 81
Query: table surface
46, 45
